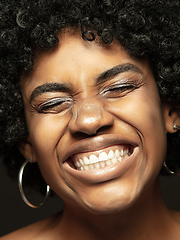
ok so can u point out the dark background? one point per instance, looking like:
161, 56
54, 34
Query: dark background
14, 213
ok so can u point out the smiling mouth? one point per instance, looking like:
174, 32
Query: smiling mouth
101, 158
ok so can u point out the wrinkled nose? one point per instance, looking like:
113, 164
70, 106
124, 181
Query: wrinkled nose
89, 116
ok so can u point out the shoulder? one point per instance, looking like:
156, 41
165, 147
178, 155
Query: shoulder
34, 231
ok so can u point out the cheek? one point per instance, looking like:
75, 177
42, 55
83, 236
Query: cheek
45, 133
141, 113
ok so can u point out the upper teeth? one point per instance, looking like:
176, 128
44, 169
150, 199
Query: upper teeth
104, 159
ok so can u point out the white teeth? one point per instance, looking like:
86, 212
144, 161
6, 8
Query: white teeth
125, 152
102, 164
78, 164
93, 159
117, 153
121, 153
126, 156
103, 156
103, 160
111, 154
114, 160
91, 166
86, 161
86, 167
120, 158
108, 162
97, 165
81, 162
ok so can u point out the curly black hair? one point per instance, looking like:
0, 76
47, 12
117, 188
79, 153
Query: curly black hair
148, 28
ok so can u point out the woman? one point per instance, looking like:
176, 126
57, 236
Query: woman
90, 92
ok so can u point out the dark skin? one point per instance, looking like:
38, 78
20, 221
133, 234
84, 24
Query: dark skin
84, 100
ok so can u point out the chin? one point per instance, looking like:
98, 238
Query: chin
109, 204
103, 209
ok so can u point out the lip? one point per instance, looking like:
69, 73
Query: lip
96, 143
92, 144
104, 174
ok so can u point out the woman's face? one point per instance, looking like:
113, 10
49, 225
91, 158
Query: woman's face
95, 124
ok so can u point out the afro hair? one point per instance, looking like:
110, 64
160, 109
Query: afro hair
148, 28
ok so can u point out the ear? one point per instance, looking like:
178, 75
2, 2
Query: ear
171, 115
26, 149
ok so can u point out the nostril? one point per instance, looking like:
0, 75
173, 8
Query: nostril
104, 128
89, 118
82, 135
90, 131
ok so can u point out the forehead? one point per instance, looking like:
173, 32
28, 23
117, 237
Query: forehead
77, 58
73, 48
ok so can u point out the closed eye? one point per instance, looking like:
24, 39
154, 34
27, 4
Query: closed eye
55, 105
118, 90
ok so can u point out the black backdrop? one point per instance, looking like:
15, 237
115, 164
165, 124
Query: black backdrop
14, 213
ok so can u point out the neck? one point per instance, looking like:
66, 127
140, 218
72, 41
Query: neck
146, 219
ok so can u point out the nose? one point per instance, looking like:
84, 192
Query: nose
89, 116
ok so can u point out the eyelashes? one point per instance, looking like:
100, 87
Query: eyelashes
114, 90
120, 89
55, 105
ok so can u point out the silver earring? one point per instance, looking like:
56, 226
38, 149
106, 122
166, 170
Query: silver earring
48, 191
169, 171
176, 127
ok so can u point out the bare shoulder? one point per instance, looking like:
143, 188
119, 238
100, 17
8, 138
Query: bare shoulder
175, 227
34, 231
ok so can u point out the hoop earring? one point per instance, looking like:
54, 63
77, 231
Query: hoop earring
169, 171
176, 127
48, 190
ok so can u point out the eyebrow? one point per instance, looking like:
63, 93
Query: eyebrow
126, 67
50, 87
102, 77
